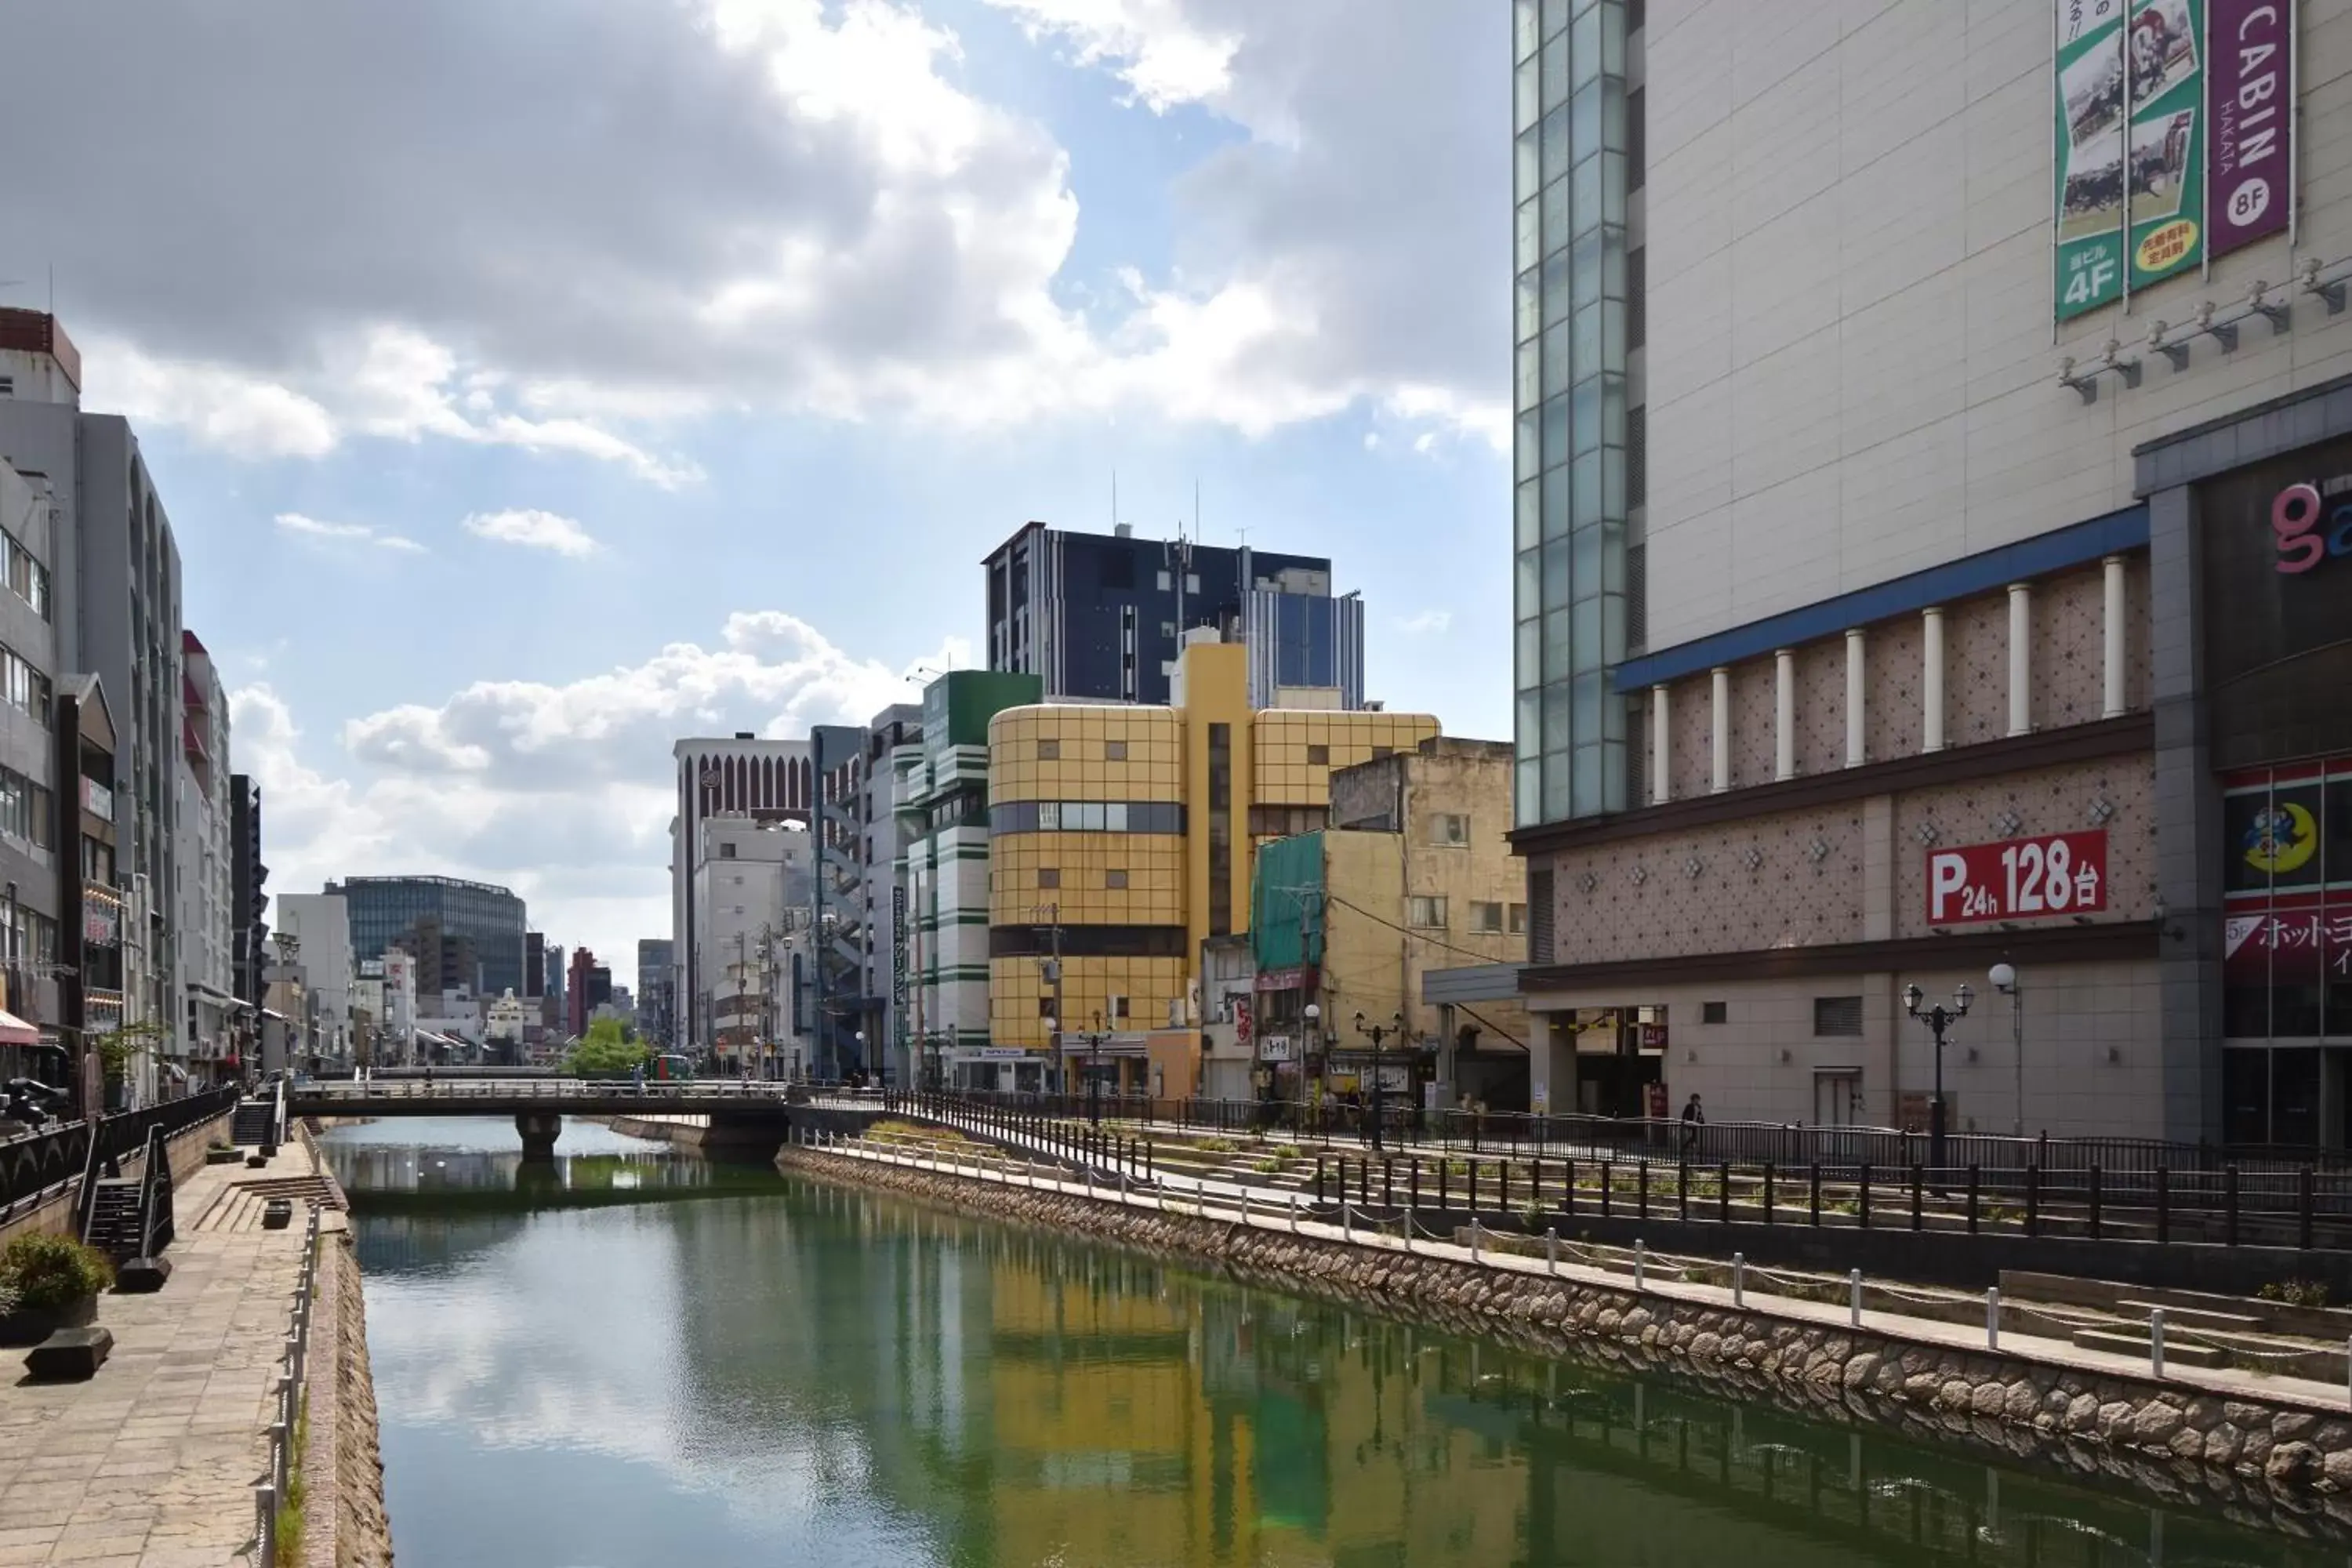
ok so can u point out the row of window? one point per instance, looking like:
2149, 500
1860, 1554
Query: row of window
1086, 816
25, 810
1486, 919
1051, 751
1051, 876
27, 578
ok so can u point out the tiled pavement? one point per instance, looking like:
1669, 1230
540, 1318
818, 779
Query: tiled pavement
153, 1461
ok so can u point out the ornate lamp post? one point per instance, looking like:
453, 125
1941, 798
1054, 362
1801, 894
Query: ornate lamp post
1938, 1018
1376, 1032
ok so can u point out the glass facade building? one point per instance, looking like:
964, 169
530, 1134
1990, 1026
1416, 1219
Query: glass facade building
1578, 445
491, 917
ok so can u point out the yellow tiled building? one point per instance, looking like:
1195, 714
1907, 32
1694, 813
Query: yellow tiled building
1124, 836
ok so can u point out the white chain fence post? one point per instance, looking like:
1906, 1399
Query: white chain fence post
1854, 1285
1552, 1249
1993, 1317
1739, 1279
2155, 1341
1473, 1238
1640, 1265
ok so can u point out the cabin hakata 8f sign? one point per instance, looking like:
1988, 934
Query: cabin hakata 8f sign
2018, 879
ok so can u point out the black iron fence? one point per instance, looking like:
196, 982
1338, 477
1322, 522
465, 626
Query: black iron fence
1703, 1144
37, 1164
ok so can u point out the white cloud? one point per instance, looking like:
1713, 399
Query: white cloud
824, 219
348, 532
1149, 44
562, 791
533, 530
1425, 623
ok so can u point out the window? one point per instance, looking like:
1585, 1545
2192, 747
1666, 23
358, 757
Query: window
27, 578
1118, 1013
8, 386
25, 687
1168, 629
1284, 821
1449, 827
1715, 1012
1114, 879
1518, 919
1486, 919
1049, 876
1319, 756
1221, 829
1163, 582
1837, 1015
1427, 913
23, 809
1049, 750
726, 851
1191, 582
1113, 751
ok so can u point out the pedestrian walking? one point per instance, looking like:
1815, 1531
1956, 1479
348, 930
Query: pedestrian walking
1694, 1118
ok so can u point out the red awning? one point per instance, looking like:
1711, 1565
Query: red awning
14, 1031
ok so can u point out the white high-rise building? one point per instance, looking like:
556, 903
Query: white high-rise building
741, 776
206, 918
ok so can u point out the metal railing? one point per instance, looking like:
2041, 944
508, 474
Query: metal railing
34, 1165
1750, 1142
287, 1402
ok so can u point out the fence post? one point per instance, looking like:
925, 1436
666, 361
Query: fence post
1918, 1185
1472, 1199
1993, 1317
2096, 1195
2302, 1208
2230, 1198
1293, 1214
1568, 1187
1815, 1174
1552, 1249
1535, 1182
1682, 1188
1474, 1237
1412, 1192
1503, 1185
1854, 1290
2163, 1206
1862, 1200
2033, 1200
1723, 1191
1444, 1200
1640, 1266
1767, 1192
1973, 1199
2155, 1341
1608, 1185
1642, 1190
1739, 1279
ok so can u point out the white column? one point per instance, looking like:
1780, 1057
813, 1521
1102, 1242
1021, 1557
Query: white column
2113, 707
1931, 682
1856, 652
1719, 760
1660, 746
2020, 658
1784, 714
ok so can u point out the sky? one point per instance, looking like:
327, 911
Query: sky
531, 385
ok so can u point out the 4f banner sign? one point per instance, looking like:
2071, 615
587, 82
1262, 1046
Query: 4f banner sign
2130, 151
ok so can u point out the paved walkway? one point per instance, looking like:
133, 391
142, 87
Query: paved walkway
153, 1461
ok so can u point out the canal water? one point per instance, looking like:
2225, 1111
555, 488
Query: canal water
638, 1357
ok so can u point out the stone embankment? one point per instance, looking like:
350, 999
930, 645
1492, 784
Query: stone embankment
344, 1524
2254, 1454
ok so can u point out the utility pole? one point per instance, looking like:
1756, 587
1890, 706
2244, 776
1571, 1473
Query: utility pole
1053, 913
767, 997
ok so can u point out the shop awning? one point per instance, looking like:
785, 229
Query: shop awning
14, 1031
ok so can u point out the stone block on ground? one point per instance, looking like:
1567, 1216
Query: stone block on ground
142, 1274
69, 1354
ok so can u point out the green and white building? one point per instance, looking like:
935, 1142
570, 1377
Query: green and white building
940, 794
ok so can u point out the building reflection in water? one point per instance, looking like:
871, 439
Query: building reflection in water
936, 1390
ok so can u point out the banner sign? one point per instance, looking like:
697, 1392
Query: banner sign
2018, 879
2251, 115
2130, 149
1275, 1048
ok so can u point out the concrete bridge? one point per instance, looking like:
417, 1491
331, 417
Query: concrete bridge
742, 1115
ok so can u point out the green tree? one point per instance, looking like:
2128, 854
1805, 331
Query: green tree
605, 1051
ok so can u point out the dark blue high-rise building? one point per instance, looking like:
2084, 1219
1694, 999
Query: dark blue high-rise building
1101, 616
382, 908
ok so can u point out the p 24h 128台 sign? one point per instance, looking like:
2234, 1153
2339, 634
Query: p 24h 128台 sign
2018, 879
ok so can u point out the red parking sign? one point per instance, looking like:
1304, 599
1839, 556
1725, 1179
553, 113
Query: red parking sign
2018, 879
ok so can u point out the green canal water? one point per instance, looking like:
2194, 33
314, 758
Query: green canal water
641, 1358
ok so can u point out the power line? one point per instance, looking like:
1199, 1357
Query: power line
1409, 931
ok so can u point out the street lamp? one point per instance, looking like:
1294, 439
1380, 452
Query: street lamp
1937, 1018
1376, 1032
1094, 1071
1311, 1042
2004, 980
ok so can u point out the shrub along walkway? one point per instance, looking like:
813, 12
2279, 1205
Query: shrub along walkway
153, 1461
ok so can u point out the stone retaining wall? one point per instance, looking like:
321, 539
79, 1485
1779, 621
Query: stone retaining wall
2253, 1457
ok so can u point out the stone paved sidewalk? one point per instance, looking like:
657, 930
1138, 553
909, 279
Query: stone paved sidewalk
152, 1462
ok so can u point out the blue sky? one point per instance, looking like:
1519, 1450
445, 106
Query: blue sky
532, 384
